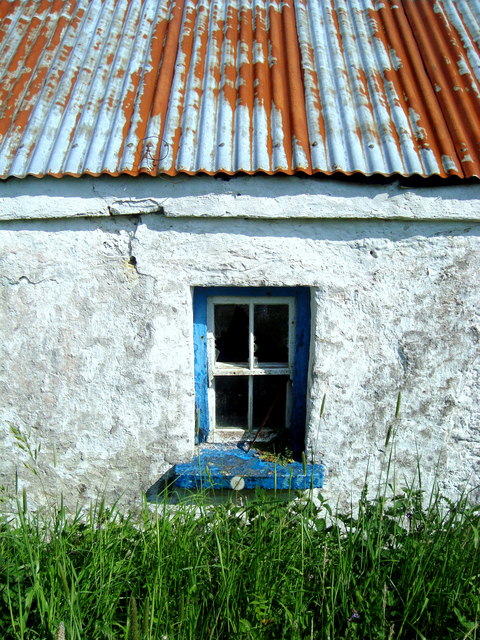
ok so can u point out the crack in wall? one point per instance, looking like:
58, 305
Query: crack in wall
132, 238
26, 279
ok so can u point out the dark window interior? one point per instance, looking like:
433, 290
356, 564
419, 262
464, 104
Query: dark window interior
231, 401
231, 332
269, 398
270, 322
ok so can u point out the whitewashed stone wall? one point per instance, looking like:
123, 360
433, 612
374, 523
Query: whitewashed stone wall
96, 370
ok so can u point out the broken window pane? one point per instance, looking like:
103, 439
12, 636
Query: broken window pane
271, 332
231, 333
269, 401
231, 401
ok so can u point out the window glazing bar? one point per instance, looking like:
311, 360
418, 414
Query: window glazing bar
250, 403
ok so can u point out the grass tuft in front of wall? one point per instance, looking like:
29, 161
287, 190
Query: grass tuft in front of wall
392, 569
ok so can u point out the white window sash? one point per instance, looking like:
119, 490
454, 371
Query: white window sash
253, 369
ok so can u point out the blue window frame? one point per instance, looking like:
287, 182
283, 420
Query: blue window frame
211, 305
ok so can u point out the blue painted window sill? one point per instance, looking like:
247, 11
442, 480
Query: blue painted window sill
224, 467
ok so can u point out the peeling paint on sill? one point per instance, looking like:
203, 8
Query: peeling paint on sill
219, 467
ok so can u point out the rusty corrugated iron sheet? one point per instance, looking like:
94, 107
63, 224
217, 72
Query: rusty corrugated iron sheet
168, 86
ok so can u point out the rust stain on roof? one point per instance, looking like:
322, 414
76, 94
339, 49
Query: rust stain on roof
168, 86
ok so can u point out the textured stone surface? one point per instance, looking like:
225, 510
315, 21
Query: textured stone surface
97, 356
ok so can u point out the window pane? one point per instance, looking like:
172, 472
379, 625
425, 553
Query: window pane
231, 332
269, 399
231, 402
271, 332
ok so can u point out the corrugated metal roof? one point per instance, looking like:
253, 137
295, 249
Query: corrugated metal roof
168, 86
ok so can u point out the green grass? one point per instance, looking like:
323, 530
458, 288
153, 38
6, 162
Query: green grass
268, 569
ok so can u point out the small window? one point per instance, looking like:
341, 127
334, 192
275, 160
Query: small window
251, 361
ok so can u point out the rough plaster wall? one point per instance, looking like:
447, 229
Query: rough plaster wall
93, 364
404, 317
395, 310
97, 360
